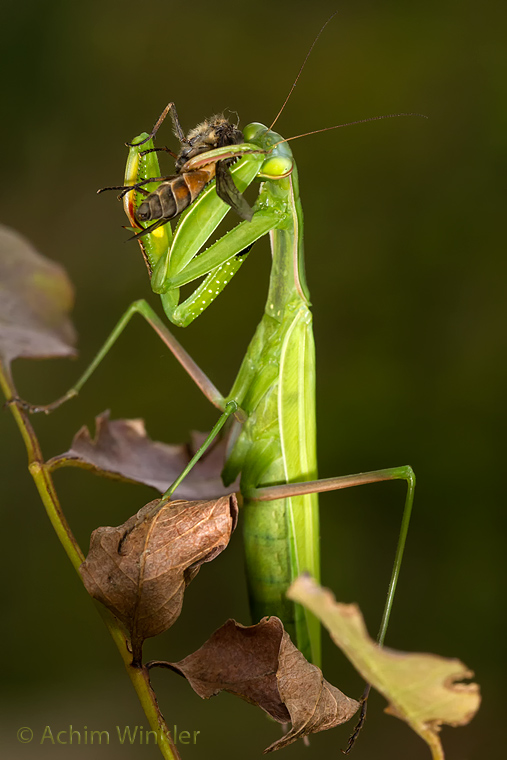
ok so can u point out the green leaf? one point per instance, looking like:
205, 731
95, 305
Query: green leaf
422, 689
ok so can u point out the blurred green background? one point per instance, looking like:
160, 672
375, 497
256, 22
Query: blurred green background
405, 241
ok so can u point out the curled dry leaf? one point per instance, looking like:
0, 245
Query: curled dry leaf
140, 569
35, 298
422, 689
122, 449
260, 664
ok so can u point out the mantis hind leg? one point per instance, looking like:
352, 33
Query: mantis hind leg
333, 484
347, 481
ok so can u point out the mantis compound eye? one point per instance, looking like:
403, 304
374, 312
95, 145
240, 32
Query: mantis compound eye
276, 167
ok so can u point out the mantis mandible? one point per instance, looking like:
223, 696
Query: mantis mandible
273, 396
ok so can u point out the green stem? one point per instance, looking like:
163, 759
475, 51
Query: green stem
47, 492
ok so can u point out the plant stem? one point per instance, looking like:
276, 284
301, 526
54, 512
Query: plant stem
47, 492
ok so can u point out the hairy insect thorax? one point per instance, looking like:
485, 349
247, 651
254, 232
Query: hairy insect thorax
215, 132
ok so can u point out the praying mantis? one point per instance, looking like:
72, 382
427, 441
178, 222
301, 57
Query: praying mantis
274, 447
273, 396
272, 401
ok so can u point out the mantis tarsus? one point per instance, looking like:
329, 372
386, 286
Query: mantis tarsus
274, 437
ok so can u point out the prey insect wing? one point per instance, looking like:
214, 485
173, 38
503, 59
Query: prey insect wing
228, 192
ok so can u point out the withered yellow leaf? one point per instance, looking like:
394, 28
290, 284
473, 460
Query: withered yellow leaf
422, 689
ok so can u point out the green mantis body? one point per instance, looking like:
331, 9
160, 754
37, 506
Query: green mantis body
273, 397
275, 388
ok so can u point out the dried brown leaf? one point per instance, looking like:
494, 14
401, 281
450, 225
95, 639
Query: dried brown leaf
260, 664
140, 569
121, 449
35, 299
422, 689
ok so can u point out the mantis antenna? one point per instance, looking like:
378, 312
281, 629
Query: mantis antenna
336, 126
348, 124
301, 69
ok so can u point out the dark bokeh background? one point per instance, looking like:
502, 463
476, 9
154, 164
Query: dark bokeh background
405, 243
